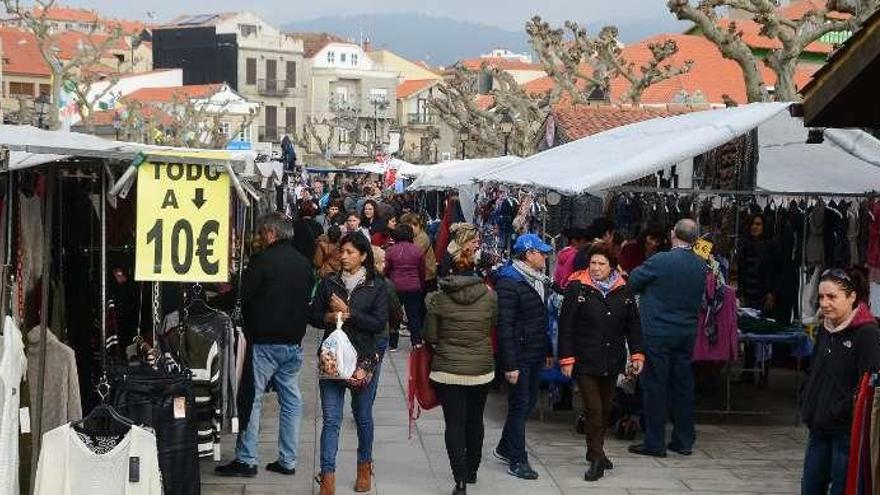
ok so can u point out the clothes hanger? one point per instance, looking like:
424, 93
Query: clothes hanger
103, 420
197, 305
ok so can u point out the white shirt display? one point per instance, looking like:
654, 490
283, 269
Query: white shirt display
68, 467
13, 366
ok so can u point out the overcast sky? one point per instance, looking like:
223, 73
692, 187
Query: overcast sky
507, 14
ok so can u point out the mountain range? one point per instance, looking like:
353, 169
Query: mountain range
441, 41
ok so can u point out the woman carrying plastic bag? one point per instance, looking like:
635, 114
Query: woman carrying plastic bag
360, 300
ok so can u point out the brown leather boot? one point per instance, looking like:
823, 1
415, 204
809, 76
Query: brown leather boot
365, 477
327, 482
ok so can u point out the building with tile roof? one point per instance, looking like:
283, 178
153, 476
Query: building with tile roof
711, 77
250, 55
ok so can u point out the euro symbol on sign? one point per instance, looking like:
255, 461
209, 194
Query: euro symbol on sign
205, 247
199, 200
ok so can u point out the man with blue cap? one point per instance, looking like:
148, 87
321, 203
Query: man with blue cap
523, 345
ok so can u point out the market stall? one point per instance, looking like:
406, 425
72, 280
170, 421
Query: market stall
69, 219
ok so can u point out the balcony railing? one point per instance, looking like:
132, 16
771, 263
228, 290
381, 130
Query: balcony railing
275, 87
274, 134
420, 119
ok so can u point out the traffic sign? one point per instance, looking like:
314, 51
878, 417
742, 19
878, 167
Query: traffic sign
182, 223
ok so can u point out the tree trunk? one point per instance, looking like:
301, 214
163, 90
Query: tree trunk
784, 67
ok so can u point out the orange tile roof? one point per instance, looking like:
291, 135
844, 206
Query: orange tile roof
69, 14
712, 74
797, 9
21, 55
315, 42
500, 63
752, 36
585, 120
105, 118
168, 95
71, 42
411, 87
485, 102
126, 26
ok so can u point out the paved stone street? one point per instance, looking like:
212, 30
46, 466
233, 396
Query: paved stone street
733, 454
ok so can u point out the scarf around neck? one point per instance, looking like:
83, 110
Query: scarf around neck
352, 280
606, 285
536, 279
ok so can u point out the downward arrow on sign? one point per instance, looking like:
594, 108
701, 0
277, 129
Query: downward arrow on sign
199, 200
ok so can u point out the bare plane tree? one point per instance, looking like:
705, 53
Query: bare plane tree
793, 35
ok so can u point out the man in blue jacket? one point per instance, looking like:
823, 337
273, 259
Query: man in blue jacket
523, 346
671, 285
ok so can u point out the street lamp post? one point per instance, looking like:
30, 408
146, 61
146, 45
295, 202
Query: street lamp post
463, 137
41, 106
507, 130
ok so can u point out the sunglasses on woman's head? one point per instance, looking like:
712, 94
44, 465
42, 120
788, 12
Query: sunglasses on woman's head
836, 273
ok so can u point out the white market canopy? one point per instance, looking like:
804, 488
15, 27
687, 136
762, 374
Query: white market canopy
63, 144
458, 173
404, 168
623, 154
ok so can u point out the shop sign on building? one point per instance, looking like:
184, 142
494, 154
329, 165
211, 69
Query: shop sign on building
182, 223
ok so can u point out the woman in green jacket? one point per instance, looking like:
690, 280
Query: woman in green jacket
458, 324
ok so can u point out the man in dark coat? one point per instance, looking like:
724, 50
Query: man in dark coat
523, 345
275, 300
671, 285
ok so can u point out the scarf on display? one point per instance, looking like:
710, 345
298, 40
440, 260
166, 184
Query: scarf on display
352, 280
536, 279
606, 285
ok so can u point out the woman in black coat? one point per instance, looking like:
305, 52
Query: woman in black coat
361, 299
599, 320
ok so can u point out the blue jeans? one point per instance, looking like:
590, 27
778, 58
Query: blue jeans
825, 464
332, 404
521, 400
280, 364
668, 384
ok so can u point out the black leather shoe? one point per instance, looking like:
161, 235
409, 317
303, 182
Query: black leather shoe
641, 450
522, 470
595, 471
276, 467
460, 488
472, 479
235, 469
679, 451
607, 464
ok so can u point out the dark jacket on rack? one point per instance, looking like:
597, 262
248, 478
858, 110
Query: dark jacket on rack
368, 304
275, 295
459, 325
758, 269
595, 329
672, 285
522, 321
839, 361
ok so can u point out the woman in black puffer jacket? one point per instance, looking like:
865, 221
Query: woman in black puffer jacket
847, 347
599, 320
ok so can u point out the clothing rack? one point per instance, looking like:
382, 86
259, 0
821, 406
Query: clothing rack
731, 192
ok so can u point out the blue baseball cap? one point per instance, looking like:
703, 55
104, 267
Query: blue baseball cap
529, 242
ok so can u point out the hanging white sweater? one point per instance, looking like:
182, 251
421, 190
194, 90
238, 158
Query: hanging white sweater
68, 467
12, 368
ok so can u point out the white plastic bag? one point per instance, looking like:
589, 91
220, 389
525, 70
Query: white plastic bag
338, 357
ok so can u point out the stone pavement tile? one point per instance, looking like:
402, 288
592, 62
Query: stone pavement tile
274, 490
597, 490
776, 474
223, 489
766, 485
570, 476
688, 462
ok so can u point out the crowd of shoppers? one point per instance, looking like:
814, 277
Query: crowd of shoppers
628, 310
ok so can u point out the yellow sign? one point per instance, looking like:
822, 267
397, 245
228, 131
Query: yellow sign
182, 223
703, 248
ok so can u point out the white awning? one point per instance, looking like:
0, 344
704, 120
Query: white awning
404, 168
63, 143
623, 154
457, 173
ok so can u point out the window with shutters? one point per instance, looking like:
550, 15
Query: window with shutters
21, 89
251, 71
290, 75
290, 120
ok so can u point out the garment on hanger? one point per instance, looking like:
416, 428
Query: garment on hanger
61, 398
13, 364
816, 235
69, 466
717, 335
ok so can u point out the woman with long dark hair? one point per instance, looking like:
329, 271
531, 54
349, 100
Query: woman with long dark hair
847, 346
361, 300
370, 218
